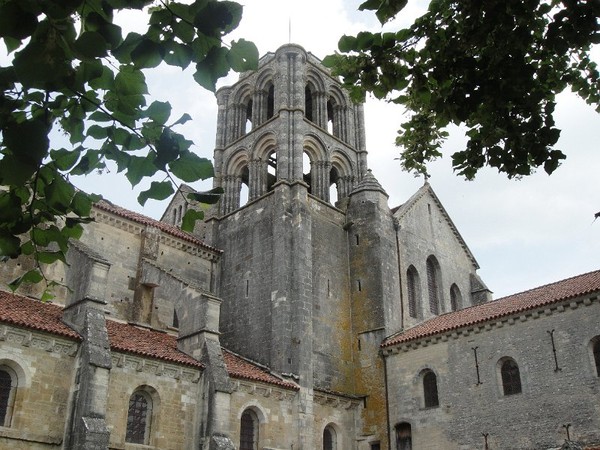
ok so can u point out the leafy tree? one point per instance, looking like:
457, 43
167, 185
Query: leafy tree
73, 71
495, 66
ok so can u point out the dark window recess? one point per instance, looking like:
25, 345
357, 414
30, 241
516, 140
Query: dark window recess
137, 418
511, 378
248, 431
455, 297
175, 320
6, 389
430, 390
403, 436
596, 351
411, 282
328, 439
375, 446
433, 286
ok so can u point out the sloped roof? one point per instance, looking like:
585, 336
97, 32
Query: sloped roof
146, 342
124, 337
34, 314
513, 304
239, 367
145, 220
401, 210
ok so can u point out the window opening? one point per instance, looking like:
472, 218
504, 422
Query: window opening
511, 378
308, 103
271, 170
138, 418
430, 390
330, 128
271, 102
403, 436
307, 171
249, 431
175, 319
596, 352
455, 297
358, 285
412, 281
333, 186
248, 122
433, 286
8, 386
329, 438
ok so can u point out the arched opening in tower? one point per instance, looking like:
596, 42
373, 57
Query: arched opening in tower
271, 102
244, 190
333, 186
271, 170
248, 123
308, 104
307, 171
330, 127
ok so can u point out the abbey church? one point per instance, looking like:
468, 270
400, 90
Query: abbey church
304, 313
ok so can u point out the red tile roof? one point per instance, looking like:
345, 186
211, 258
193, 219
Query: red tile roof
145, 342
241, 368
123, 337
513, 304
145, 220
34, 314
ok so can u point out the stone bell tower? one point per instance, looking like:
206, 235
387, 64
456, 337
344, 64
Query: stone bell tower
290, 151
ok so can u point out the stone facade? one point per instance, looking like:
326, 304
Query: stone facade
284, 321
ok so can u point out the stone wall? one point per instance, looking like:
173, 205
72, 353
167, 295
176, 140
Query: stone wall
44, 366
554, 392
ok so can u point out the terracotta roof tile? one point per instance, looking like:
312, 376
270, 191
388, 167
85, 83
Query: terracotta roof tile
129, 338
513, 304
241, 368
34, 314
145, 220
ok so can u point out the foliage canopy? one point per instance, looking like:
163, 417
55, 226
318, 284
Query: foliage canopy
495, 66
74, 71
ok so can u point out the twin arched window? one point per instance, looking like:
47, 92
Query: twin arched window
139, 417
249, 430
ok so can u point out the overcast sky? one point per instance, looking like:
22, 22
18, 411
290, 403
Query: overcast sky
523, 233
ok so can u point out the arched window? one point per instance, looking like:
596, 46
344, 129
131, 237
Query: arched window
249, 430
511, 378
248, 121
412, 283
8, 387
271, 102
433, 284
455, 297
596, 353
139, 416
309, 104
329, 438
430, 390
403, 436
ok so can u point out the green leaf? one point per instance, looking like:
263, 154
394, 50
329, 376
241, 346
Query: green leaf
63, 158
209, 197
81, 204
184, 31
189, 219
50, 257
159, 190
10, 246
32, 276
179, 55
159, 112
27, 141
97, 132
190, 167
211, 68
183, 119
59, 193
130, 81
139, 167
167, 149
15, 22
147, 54
243, 55
91, 44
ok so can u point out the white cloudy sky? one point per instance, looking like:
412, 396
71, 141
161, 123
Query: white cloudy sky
523, 233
